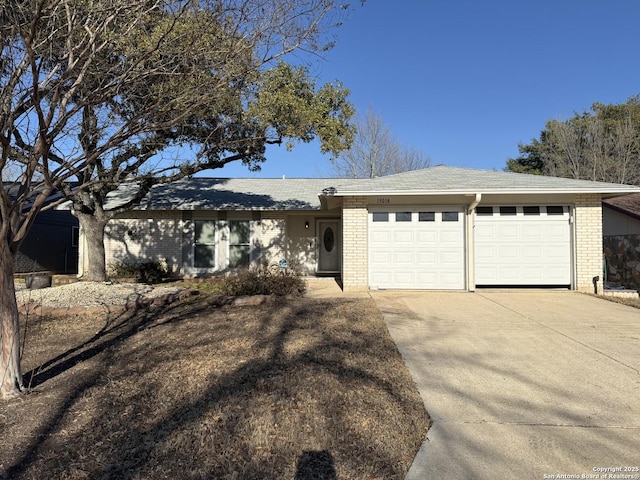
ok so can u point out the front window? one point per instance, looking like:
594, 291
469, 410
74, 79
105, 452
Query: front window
239, 243
205, 244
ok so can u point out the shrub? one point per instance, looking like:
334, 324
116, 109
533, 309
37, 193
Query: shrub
263, 281
153, 271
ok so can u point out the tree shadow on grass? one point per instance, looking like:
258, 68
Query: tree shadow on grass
257, 415
118, 327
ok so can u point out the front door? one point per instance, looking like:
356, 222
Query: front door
329, 246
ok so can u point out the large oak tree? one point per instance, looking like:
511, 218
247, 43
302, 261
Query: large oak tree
96, 93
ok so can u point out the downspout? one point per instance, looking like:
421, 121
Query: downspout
470, 256
475, 202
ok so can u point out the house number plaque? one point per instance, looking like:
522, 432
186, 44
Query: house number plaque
383, 201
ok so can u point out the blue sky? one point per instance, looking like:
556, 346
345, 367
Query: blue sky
465, 80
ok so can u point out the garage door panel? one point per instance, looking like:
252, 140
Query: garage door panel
509, 274
381, 277
508, 252
405, 279
485, 253
555, 232
449, 280
403, 236
403, 258
509, 231
485, 231
533, 232
451, 237
533, 253
426, 259
380, 237
426, 237
557, 253
557, 276
380, 258
451, 258
488, 273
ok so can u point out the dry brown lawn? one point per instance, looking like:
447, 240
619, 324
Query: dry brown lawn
292, 389
630, 302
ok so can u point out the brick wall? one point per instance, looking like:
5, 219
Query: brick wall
355, 273
146, 237
588, 225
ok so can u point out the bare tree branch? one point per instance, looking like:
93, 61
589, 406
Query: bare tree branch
375, 152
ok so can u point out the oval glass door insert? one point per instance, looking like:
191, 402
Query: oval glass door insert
328, 239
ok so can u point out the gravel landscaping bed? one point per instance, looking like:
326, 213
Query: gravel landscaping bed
90, 294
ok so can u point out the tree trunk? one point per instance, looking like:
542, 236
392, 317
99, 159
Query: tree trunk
10, 374
93, 228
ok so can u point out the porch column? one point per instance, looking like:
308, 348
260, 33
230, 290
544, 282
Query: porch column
355, 274
588, 228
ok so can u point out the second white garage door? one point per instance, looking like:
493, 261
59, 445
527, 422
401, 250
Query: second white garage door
417, 248
522, 245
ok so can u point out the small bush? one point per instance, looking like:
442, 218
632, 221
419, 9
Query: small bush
154, 271
264, 281
123, 270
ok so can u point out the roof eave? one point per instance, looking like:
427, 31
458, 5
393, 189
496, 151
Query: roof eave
497, 191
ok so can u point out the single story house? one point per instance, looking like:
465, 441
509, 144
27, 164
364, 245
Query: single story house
437, 228
621, 230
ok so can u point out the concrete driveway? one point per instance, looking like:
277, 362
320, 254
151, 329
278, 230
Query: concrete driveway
521, 384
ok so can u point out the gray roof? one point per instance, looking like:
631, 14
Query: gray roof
233, 194
452, 180
304, 193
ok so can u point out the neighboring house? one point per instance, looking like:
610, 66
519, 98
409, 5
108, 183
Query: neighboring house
437, 228
621, 229
51, 245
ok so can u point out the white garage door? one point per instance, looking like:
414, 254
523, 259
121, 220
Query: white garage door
522, 245
417, 248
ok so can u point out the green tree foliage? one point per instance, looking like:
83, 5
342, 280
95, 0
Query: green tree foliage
602, 144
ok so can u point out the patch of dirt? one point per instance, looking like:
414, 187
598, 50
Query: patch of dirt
199, 389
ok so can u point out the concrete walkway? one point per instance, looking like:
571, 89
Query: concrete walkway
521, 384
